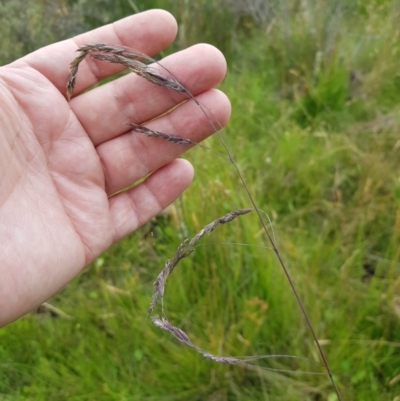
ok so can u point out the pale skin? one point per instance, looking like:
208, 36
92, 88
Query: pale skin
62, 162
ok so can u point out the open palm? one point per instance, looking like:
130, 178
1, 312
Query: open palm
60, 162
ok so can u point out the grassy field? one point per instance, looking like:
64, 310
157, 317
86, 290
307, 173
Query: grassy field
315, 90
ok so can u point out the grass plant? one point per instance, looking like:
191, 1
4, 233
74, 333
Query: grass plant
315, 131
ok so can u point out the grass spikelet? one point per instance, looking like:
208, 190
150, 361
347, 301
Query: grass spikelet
157, 134
126, 57
184, 250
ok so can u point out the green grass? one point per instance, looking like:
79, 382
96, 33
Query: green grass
314, 129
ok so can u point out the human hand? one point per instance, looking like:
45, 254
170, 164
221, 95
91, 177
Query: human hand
60, 162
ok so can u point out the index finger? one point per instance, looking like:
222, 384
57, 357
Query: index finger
148, 32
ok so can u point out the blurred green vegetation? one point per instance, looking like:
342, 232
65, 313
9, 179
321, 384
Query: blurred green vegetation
315, 128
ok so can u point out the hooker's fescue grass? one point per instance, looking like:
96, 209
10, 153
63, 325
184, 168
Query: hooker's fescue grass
130, 58
317, 138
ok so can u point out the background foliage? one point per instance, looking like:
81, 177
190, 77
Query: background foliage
315, 127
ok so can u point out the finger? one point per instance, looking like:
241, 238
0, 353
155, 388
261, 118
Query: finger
148, 32
130, 209
132, 156
133, 99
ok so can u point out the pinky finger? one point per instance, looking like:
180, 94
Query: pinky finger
131, 209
